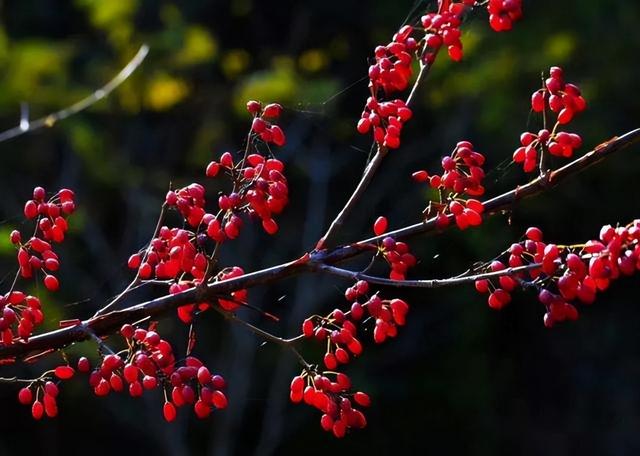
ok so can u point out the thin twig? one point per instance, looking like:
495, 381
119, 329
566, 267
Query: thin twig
425, 283
367, 176
136, 280
285, 343
26, 126
18, 380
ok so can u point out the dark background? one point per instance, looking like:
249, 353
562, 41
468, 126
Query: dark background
460, 378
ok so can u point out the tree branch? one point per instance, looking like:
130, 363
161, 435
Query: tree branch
50, 120
424, 283
368, 174
104, 325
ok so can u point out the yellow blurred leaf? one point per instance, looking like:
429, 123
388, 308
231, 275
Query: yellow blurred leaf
277, 84
235, 62
105, 14
560, 46
199, 47
313, 60
164, 91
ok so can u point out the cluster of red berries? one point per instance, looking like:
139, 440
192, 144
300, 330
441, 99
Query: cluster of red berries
235, 300
462, 172
443, 28
395, 253
190, 202
559, 144
41, 396
51, 213
113, 375
260, 187
562, 98
340, 327
386, 118
37, 253
193, 384
267, 131
339, 330
391, 71
147, 363
388, 314
49, 390
150, 362
20, 315
565, 273
466, 213
333, 399
503, 13
340, 334
262, 192
170, 255
398, 256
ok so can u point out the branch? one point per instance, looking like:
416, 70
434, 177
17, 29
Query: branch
425, 283
284, 343
506, 200
50, 120
109, 323
368, 174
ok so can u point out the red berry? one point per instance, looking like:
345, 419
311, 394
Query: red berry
212, 169
15, 237
219, 400
204, 376
37, 410
272, 110
51, 282
64, 372
135, 389
83, 364
258, 125
270, 226
342, 356
537, 101
169, 412
380, 226
253, 107
30, 209
364, 125
326, 422
534, 233
51, 389
330, 361
362, 399
307, 327
25, 396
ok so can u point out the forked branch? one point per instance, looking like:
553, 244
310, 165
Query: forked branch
316, 261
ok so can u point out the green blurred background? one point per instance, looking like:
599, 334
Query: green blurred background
460, 379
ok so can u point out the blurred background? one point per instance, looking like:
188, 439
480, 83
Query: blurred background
460, 378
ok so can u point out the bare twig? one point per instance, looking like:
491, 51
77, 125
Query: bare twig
136, 280
368, 174
18, 380
285, 343
26, 126
425, 283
